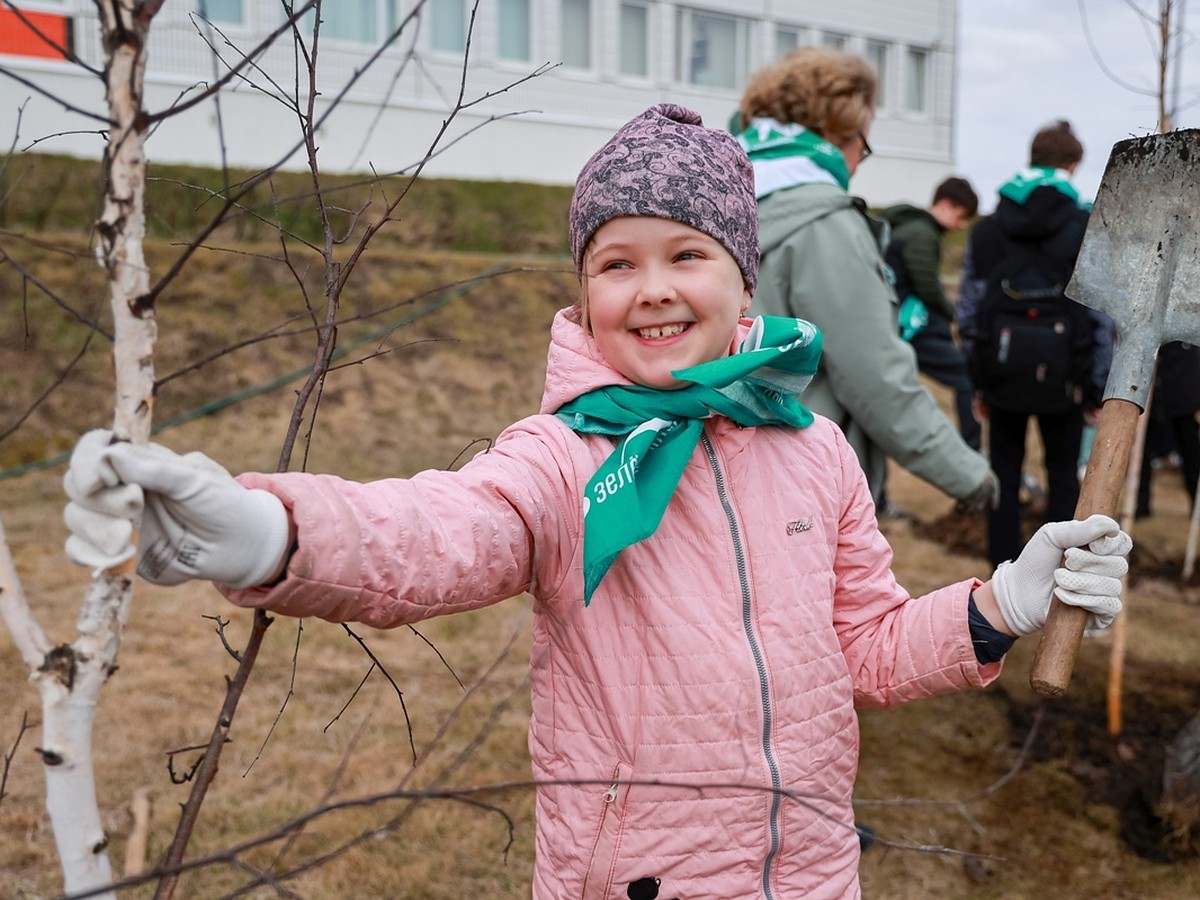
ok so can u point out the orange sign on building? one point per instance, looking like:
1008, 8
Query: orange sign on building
19, 37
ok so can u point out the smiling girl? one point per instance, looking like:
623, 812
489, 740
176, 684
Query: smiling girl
713, 596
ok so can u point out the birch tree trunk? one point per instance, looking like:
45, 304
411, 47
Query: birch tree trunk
70, 676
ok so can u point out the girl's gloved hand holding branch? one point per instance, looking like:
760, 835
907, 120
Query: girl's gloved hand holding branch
196, 520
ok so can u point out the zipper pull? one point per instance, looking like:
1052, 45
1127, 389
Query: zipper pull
611, 794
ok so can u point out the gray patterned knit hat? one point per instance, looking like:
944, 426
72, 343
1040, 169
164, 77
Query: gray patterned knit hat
665, 163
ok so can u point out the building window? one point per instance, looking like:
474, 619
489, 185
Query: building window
346, 20
447, 25
514, 29
351, 20
635, 40
916, 80
575, 33
787, 39
835, 39
225, 12
713, 50
878, 54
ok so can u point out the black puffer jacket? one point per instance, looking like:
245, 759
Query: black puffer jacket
1056, 223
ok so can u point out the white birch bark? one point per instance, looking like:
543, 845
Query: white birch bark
70, 677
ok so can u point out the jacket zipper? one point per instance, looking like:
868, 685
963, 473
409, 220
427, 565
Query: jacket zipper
756, 651
609, 797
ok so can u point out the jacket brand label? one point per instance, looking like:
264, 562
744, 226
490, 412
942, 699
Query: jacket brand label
799, 525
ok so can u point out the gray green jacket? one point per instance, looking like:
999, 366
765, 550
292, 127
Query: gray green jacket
822, 262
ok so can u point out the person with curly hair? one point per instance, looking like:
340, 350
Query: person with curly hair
805, 122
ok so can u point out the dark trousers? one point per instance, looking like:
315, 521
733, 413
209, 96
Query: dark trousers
942, 360
1185, 435
1061, 436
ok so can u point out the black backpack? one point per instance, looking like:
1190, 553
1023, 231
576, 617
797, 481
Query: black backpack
1033, 344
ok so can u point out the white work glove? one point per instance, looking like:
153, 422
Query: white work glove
1081, 562
196, 520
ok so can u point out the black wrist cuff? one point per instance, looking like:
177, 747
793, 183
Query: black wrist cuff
990, 644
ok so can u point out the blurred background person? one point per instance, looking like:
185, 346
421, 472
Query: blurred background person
1017, 262
1173, 410
914, 253
805, 123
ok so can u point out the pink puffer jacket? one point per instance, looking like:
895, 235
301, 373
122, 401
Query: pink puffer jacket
694, 727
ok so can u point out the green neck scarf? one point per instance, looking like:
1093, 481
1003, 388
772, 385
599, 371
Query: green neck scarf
625, 500
1020, 186
785, 154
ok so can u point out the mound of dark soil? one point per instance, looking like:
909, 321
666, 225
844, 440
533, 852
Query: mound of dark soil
1125, 772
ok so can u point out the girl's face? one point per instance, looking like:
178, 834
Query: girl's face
660, 296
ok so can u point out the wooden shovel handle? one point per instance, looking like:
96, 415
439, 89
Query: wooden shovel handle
1102, 484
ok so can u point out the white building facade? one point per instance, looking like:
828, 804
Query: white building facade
603, 61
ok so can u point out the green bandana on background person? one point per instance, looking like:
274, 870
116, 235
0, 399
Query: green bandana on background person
625, 500
913, 317
1020, 186
787, 154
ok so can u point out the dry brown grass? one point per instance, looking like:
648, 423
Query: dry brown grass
1052, 828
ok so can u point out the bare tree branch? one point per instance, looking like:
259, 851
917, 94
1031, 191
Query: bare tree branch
1096, 55
209, 763
291, 692
11, 755
29, 276
53, 386
375, 663
235, 71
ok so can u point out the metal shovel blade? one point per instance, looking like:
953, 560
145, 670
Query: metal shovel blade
1140, 260
1140, 264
